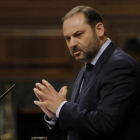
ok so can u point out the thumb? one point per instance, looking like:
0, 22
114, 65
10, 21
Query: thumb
63, 91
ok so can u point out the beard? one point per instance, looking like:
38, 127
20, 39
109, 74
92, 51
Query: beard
88, 52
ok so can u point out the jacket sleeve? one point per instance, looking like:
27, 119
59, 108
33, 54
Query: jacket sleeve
55, 130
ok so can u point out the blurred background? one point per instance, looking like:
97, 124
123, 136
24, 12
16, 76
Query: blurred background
32, 48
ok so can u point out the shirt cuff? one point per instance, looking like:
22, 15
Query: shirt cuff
50, 123
59, 108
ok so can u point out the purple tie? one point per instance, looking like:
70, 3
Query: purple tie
86, 74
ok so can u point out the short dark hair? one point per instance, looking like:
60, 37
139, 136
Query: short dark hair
92, 16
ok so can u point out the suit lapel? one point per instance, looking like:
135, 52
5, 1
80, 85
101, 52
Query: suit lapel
103, 58
77, 85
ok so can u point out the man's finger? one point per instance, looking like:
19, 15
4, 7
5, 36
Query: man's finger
39, 94
63, 91
48, 85
41, 104
40, 99
41, 87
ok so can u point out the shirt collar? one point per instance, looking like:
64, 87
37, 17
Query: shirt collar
104, 46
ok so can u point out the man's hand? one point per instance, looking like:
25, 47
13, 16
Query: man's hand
49, 98
45, 109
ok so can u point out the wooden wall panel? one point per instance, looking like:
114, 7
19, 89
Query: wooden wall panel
34, 54
31, 39
41, 12
33, 47
123, 30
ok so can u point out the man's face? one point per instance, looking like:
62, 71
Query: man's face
82, 41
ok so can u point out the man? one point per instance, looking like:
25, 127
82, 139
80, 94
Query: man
104, 105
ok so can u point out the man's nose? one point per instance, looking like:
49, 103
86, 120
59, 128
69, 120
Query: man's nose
73, 42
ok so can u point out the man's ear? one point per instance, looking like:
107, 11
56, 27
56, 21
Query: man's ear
99, 29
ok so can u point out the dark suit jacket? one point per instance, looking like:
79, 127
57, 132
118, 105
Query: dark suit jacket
109, 106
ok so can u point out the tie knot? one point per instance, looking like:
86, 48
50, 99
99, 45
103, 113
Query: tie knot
89, 67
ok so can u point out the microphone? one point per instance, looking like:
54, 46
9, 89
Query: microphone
7, 91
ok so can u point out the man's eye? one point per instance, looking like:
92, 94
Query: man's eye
79, 34
67, 38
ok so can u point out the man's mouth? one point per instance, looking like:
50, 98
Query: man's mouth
76, 52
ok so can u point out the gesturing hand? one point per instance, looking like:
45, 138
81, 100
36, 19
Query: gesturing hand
49, 98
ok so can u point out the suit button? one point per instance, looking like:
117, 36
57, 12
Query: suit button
68, 137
